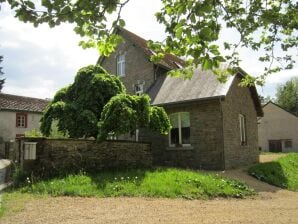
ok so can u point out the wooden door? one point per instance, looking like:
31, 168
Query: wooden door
275, 146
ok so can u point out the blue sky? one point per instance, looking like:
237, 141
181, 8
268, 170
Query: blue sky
40, 61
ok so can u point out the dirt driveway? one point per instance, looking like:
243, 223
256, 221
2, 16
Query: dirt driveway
272, 205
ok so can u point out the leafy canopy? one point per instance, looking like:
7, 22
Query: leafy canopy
77, 108
287, 95
192, 27
125, 113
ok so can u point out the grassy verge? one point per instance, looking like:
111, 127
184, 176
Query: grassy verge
168, 183
282, 173
13, 202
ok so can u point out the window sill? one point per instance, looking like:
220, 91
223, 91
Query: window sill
180, 148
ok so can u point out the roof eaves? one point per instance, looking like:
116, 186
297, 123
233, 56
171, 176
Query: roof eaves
280, 108
18, 110
190, 101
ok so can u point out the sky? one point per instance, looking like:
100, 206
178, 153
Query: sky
40, 61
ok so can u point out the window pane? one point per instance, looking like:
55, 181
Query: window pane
174, 120
185, 119
185, 135
174, 136
120, 64
242, 128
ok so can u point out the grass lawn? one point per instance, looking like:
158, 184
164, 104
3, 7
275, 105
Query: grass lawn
13, 202
168, 183
282, 173
162, 182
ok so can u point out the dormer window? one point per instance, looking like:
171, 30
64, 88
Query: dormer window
139, 88
121, 65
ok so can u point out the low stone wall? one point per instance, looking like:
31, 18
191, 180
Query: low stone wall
54, 156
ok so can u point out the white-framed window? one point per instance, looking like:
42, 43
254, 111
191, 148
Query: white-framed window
121, 64
180, 132
21, 120
242, 125
139, 89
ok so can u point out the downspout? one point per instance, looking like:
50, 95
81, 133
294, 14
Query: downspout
222, 133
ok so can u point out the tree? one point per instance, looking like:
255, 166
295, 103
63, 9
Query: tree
1, 73
265, 100
193, 29
125, 113
287, 96
77, 108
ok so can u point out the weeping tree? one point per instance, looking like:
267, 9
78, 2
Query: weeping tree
125, 113
77, 107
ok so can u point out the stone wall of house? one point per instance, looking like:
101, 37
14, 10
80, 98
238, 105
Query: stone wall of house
137, 65
239, 101
206, 150
54, 156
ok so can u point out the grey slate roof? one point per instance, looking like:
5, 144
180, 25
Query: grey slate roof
203, 85
21, 103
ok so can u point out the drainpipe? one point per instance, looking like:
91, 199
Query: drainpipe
222, 133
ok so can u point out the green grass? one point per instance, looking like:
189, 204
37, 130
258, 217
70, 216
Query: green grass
168, 183
282, 173
13, 202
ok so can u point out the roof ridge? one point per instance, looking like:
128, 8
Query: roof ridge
168, 57
275, 104
26, 97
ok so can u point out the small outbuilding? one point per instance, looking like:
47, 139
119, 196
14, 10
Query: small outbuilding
278, 129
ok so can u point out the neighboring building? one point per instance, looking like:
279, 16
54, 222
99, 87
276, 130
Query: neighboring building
214, 124
278, 129
18, 114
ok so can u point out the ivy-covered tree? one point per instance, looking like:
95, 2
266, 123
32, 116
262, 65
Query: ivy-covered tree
192, 27
125, 113
77, 108
1, 73
287, 96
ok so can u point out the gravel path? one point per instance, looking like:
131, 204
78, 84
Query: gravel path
280, 208
272, 205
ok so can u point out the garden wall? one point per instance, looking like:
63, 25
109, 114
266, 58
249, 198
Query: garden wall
54, 156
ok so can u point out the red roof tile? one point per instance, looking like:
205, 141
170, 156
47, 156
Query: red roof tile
21, 103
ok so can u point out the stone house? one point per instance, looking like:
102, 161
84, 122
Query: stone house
214, 124
18, 114
278, 129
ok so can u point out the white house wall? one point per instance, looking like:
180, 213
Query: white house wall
277, 124
8, 129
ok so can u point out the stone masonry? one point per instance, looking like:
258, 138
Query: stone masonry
239, 101
55, 156
140, 68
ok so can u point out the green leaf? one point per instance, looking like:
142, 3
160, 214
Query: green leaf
207, 64
121, 22
206, 33
30, 4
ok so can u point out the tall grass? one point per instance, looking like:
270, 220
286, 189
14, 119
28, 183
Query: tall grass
282, 173
169, 183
